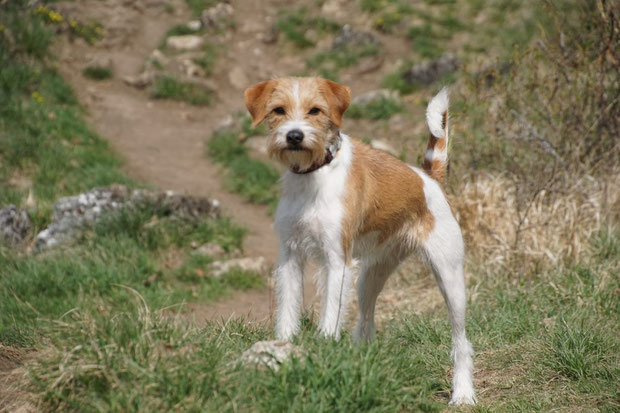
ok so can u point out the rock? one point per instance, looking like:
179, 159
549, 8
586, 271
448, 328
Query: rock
185, 42
238, 78
158, 58
270, 36
210, 249
194, 25
374, 95
383, 146
348, 37
191, 69
249, 264
334, 8
217, 16
270, 354
431, 71
140, 81
71, 214
14, 225
100, 62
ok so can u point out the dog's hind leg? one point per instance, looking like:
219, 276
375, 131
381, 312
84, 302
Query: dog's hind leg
369, 285
444, 249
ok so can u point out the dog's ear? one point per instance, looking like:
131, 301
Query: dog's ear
256, 98
338, 97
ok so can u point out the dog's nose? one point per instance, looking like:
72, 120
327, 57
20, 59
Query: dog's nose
294, 136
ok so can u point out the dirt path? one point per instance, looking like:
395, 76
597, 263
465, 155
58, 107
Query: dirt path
163, 141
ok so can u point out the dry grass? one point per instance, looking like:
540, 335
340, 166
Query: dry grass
548, 230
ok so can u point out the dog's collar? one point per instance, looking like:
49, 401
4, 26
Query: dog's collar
330, 152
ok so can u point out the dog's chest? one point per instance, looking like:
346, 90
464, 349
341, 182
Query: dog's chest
309, 217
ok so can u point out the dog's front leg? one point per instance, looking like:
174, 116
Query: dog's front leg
289, 279
336, 296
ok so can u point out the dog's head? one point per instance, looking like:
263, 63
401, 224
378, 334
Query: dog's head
303, 114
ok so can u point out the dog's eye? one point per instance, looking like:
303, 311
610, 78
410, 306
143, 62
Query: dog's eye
314, 111
279, 110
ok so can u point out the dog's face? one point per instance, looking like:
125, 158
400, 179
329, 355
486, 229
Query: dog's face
303, 114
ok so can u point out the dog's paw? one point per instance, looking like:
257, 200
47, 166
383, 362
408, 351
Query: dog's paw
463, 399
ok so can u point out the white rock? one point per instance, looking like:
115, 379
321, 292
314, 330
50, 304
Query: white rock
250, 264
210, 249
194, 25
186, 42
270, 353
217, 15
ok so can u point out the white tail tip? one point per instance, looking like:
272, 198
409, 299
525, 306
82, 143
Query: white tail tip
435, 112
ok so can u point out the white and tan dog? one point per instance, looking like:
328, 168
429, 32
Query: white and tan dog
344, 202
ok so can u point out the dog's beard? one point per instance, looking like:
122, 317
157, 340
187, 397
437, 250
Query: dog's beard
310, 152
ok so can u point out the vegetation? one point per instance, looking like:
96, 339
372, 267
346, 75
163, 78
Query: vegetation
252, 179
45, 144
167, 87
383, 108
197, 6
538, 350
97, 72
534, 183
47, 151
295, 26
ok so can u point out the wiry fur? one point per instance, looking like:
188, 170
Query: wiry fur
365, 207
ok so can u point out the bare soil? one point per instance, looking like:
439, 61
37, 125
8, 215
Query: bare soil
163, 141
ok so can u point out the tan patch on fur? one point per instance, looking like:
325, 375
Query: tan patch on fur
437, 168
383, 195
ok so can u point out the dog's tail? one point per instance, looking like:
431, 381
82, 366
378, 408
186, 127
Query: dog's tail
436, 157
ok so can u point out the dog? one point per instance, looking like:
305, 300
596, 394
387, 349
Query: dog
345, 203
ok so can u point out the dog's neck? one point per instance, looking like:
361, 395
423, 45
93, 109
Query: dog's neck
330, 153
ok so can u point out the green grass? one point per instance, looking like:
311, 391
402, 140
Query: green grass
295, 24
137, 357
125, 248
44, 140
43, 135
207, 60
167, 87
97, 72
197, 6
328, 63
383, 108
254, 180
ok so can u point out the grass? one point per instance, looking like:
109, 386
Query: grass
254, 180
529, 362
296, 24
44, 139
97, 72
167, 87
383, 108
197, 6
329, 62
45, 142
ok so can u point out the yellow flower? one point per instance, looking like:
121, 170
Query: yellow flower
2, 28
37, 97
55, 17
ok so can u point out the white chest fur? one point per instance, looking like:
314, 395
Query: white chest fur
310, 212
